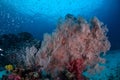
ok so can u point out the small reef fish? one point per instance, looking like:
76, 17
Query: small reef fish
1, 49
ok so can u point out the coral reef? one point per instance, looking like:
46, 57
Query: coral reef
14, 46
75, 46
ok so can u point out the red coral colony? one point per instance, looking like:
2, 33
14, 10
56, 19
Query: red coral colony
76, 67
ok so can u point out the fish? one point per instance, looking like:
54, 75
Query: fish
1, 55
1, 49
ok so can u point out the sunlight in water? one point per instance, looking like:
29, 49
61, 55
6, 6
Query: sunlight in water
54, 8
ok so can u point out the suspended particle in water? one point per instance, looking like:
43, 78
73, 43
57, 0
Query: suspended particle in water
18, 23
13, 24
18, 18
8, 24
17, 26
1, 13
22, 21
13, 20
31, 21
8, 15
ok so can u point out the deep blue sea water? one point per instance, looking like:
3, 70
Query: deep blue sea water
40, 16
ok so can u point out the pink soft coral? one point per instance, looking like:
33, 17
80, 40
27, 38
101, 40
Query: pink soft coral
74, 40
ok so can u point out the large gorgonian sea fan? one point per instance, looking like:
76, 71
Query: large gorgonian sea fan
74, 40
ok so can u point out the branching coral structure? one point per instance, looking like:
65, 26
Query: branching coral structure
75, 45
